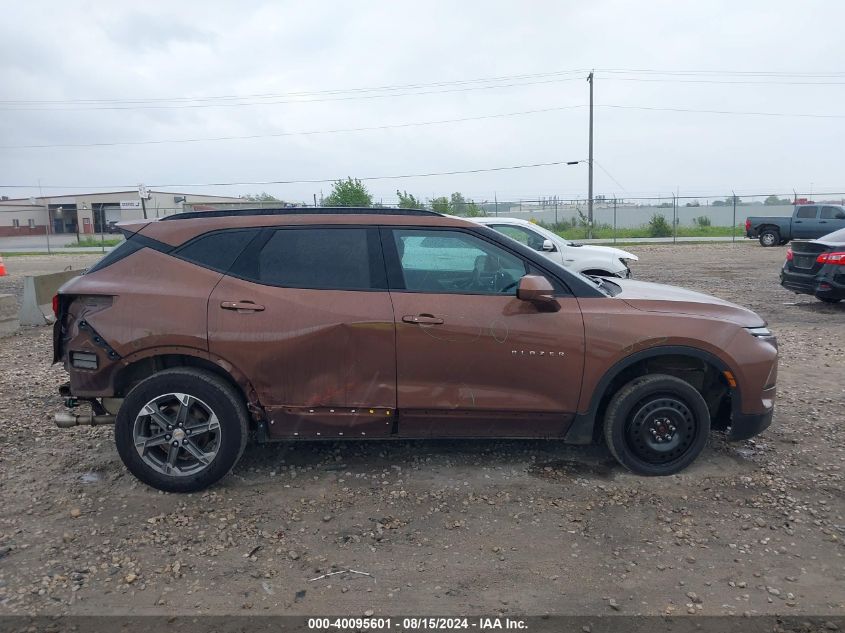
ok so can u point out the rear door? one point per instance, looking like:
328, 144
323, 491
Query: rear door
805, 223
831, 219
305, 315
472, 359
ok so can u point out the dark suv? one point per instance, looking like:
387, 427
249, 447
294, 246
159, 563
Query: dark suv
206, 328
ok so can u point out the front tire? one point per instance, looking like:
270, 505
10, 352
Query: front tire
656, 425
769, 236
181, 430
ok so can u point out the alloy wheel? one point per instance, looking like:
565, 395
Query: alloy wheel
177, 434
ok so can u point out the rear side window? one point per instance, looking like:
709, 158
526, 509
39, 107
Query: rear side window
806, 212
832, 213
217, 250
322, 258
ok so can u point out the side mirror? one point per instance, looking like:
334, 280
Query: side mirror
548, 245
536, 289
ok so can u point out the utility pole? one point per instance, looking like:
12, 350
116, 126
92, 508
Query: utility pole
496, 202
590, 164
315, 200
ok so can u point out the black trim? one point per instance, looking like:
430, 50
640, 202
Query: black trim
226, 213
582, 429
133, 244
745, 425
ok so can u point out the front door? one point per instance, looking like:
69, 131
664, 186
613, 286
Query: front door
305, 315
805, 224
472, 359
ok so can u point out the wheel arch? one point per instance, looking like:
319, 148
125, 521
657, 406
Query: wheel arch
143, 364
584, 428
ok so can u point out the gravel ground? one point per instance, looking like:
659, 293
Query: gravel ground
480, 527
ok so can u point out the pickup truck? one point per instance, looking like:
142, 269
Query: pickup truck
808, 222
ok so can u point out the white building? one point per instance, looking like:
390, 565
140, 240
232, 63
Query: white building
88, 213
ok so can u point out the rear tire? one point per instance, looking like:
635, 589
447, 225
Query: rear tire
769, 236
656, 425
181, 430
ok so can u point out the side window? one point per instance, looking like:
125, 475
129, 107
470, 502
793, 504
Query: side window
320, 258
832, 213
455, 262
806, 212
521, 234
217, 250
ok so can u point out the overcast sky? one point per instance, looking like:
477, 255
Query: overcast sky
176, 56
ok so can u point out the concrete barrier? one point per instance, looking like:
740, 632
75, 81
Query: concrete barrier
9, 323
38, 291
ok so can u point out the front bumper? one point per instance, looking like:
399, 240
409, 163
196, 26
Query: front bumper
745, 425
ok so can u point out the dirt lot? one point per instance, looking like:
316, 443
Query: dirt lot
444, 527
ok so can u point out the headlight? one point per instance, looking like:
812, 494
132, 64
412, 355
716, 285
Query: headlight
764, 334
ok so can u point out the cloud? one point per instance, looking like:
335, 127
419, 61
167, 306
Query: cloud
191, 49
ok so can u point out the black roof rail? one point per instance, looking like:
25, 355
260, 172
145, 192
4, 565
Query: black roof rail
223, 213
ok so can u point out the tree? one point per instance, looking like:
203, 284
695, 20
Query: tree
773, 200
472, 210
348, 193
457, 204
408, 201
441, 204
261, 197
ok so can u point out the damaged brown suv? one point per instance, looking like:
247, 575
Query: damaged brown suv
204, 329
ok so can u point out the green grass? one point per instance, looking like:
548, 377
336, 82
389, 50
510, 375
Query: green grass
93, 241
602, 232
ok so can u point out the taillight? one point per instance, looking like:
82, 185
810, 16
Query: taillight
835, 259
747, 224
56, 305
789, 254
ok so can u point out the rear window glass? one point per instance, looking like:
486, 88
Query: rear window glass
806, 212
217, 250
324, 258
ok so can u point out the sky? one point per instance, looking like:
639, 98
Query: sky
88, 89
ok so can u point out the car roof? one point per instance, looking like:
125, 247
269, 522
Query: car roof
179, 228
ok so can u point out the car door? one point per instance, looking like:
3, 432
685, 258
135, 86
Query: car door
305, 315
805, 224
831, 219
472, 359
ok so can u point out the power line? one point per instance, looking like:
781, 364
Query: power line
285, 101
302, 133
306, 181
735, 112
299, 93
392, 126
395, 87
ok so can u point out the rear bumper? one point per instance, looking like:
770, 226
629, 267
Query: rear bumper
745, 425
819, 284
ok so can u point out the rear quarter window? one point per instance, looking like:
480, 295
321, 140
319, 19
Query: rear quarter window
217, 250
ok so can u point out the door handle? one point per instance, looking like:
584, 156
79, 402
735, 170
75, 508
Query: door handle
422, 319
241, 306
822, 221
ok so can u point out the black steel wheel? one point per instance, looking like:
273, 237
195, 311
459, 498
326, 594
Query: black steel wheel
656, 424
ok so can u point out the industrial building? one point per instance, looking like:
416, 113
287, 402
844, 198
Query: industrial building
88, 213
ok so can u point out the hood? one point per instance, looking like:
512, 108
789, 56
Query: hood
651, 297
603, 251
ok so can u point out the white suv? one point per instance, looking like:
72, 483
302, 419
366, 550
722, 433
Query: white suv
587, 259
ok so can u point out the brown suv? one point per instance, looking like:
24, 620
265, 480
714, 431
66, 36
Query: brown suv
205, 328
